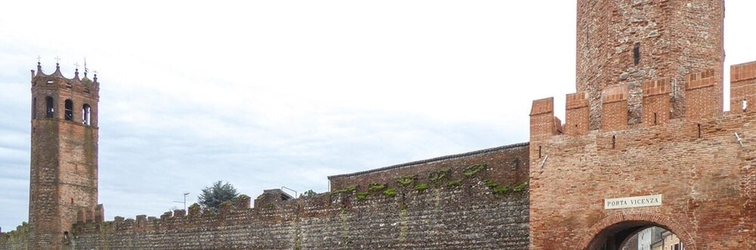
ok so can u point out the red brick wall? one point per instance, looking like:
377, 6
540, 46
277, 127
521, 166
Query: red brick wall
743, 87
707, 179
614, 110
700, 89
706, 183
656, 102
576, 122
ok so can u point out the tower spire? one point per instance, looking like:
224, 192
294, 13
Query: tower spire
85, 67
39, 64
76, 72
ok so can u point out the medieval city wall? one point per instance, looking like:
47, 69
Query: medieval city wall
477, 200
701, 164
15, 239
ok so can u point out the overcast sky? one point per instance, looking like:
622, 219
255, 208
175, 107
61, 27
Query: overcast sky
265, 94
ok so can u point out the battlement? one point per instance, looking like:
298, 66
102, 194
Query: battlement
658, 98
502, 171
56, 79
97, 214
742, 87
347, 218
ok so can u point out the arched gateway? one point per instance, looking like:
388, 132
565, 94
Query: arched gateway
614, 231
645, 142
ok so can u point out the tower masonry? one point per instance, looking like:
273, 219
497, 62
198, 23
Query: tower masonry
64, 132
628, 42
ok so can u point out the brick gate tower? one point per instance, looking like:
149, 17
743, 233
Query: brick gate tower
622, 43
646, 142
63, 155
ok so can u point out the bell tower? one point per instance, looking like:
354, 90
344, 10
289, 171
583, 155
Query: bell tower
63, 155
627, 42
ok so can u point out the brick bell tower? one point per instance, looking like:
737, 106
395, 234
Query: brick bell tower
627, 42
63, 155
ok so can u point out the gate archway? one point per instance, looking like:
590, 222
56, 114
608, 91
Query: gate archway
613, 231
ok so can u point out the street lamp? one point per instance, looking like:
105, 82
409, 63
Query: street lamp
185, 194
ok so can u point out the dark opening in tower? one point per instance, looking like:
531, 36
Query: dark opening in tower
636, 54
69, 110
49, 107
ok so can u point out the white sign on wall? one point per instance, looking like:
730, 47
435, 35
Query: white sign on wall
631, 202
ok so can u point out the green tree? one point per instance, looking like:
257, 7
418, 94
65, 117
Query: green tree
211, 197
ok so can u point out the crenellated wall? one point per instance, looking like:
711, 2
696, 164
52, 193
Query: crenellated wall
16, 239
477, 200
702, 164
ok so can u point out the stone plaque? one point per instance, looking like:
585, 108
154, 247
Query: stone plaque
631, 202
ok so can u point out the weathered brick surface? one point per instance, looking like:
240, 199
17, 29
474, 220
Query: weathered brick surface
698, 165
468, 216
673, 39
505, 164
656, 102
577, 112
614, 110
743, 87
700, 87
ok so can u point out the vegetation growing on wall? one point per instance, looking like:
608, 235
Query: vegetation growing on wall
439, 176
437, 179
473, 170
376, 187
406, 180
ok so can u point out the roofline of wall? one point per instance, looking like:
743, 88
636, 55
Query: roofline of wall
441, 158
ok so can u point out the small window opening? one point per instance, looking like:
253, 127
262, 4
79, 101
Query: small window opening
699, 130
71, 200
86, 115
69, 110
636, 53
34, 108
86, 90
49, 81
614, 141
49, 107
68, 85
539, 151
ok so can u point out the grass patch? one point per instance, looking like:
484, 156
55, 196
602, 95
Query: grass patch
456, 183
346, 190
361, 195
520, 187
473, 170
375, 187
390, 192
405, 180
